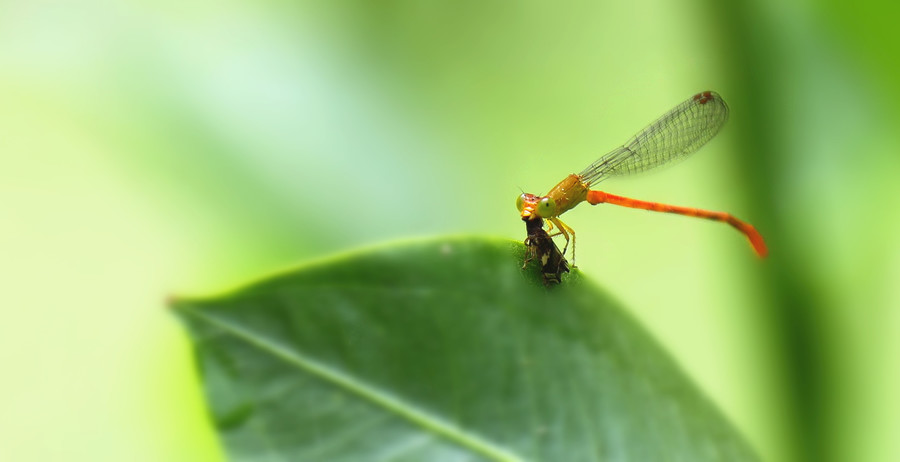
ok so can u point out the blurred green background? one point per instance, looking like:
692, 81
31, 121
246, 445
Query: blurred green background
154, 148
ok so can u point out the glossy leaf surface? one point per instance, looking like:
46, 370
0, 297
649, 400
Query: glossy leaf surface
442, 350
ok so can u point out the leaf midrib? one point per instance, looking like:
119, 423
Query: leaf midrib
365, 391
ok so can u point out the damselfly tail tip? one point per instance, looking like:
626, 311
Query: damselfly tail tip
759, 246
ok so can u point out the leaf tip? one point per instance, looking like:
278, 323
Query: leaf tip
174, 302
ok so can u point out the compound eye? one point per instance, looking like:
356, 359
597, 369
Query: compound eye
546, 208
520, 202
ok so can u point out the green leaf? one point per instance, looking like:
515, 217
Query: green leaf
443, 350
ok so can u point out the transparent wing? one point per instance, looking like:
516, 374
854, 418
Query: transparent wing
677, 134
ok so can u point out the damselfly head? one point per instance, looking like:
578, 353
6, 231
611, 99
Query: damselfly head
527, 205
531, 206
